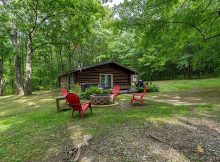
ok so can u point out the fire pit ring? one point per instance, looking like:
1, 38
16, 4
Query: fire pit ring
102, 99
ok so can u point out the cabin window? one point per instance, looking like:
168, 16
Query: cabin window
106, 80
133, 78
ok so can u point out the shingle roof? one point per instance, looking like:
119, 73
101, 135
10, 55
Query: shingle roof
100, 64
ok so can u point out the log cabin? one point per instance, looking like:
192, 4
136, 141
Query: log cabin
107, 73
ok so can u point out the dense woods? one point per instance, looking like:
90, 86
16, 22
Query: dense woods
40, 39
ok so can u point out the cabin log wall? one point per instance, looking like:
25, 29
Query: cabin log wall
121, 76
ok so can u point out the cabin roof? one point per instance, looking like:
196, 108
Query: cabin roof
100, 64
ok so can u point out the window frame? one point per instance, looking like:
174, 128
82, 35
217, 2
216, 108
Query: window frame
106, 74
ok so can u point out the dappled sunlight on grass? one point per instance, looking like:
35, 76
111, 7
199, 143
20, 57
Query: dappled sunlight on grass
45, 100
15, 105
164, 120
8, 123
21, 100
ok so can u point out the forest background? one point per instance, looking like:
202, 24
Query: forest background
40, 39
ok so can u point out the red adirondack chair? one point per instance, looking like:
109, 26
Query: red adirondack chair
74, 102
138, 96
115, 91
63, 91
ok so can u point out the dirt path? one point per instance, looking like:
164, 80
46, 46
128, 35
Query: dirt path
189, 97
174, 101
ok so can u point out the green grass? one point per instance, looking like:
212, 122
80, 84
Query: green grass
32, 130
176, 85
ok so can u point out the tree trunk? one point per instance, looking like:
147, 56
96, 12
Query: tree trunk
1, 76
69, 57
18, 76
28, 77
17, 63
50, 67
189, 68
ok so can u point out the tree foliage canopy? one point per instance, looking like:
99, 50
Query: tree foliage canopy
162, 39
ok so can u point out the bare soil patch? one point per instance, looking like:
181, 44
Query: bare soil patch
155, 142
179, 139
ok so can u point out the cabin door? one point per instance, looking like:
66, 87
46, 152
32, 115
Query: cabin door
106, 80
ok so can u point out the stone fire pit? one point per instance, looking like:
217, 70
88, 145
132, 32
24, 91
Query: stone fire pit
101, 99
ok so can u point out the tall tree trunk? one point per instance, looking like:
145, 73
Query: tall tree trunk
18, 76
61, 60
40, 76
1, 76
14, 41
50, 67
189, 68
28, 76
17, 63
69, 57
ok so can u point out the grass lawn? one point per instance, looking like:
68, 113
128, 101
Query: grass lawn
32, 130
176, 85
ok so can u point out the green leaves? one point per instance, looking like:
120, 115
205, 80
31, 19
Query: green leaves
165, 28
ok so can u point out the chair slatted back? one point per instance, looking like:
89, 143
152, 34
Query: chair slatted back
74, 101
116, 90
63, 91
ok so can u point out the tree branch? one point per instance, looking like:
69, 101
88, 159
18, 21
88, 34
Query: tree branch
189, 24
180, 8
35, 8
51, 43
210, 1
211, 37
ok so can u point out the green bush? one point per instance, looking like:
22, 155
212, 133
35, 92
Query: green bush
75, 89
150, 88
153, 88
90, 91
140, 89
106, 91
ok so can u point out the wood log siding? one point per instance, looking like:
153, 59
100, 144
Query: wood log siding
92, 75
121, 77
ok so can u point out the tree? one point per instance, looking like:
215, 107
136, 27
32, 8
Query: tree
165, 28
31, 18
8, 17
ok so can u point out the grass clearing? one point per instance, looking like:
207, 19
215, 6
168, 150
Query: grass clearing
32, 130
177, 85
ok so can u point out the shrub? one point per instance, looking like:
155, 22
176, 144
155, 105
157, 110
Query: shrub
75, 89
153, 88
106, 91
90, 91
150, 88
140, 89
